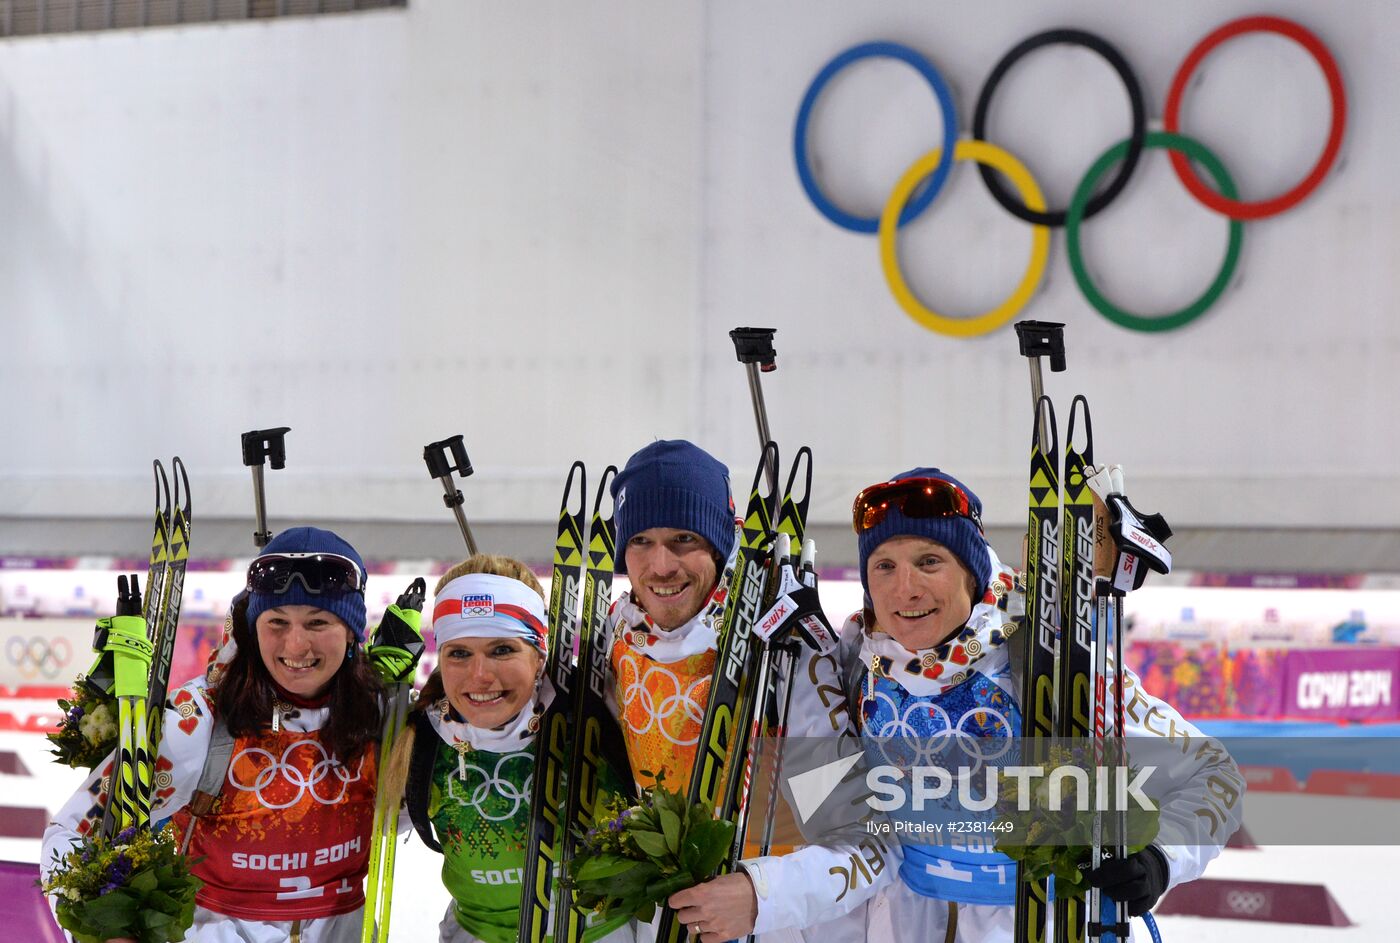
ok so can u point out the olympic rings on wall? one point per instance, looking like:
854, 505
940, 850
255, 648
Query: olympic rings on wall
1073, 37
804, 113
993, 156
1177, 144
906, 201
1172, 116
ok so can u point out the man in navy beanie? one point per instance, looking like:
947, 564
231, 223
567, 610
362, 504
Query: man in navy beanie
675, 528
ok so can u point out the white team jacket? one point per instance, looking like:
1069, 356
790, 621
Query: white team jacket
184, 745
1203, 806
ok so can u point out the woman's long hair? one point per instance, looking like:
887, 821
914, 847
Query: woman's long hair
245, 693
394, 776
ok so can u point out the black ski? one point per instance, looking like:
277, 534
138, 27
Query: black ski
729, 710
1039, 633
1076, 665
597, 740
172, 591
779, 662
542, 852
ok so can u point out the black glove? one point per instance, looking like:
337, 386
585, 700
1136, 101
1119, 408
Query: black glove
1139, 879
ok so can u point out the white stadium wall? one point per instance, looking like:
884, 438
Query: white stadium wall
534, 225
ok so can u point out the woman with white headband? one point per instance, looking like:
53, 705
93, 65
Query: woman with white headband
467, 758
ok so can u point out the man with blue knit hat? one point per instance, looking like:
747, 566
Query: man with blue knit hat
930, 563
675, 531
928, 657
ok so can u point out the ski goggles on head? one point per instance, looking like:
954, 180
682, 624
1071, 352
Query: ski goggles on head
914, 497
318, 573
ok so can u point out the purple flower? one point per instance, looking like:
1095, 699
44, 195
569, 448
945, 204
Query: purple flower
117, 874
125, 836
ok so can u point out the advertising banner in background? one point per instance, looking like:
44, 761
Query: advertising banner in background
1342, 685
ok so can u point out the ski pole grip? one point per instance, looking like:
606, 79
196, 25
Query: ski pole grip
266, 444
755, 345
435, 456
1043, 339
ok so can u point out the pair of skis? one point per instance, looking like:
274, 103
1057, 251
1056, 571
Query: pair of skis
1073, 616
1058, 633
134, 659
578, 735
742, 703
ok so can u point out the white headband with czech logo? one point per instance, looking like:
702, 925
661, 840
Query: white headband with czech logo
483, 605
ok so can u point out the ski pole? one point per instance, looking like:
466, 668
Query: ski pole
258, 446
754, 348
394, 653
1137, 543
441, 467
124, 636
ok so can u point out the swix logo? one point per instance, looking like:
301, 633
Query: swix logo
1048, 576
749, 602
1145, 542
478, 605
621, 499
819, 633
776, 616
1084, 581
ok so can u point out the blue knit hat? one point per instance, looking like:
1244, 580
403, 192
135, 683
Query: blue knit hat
673, 483
349, 607
959, 534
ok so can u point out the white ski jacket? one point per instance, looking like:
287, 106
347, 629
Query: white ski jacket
293, 868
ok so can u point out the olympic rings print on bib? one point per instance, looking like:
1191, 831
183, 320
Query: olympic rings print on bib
906, 200
280, 783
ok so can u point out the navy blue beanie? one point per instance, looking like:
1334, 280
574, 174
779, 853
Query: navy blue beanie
673, 483
349, 607
959, 534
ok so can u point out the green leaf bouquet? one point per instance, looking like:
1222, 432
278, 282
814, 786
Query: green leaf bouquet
637, 856
1059, 842
136, 885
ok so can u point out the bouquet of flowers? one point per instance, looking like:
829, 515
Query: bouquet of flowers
135, 885
1059, 841
637, 856
87, 734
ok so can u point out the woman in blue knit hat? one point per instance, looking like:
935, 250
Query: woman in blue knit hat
675, 534
281, 829
928, 656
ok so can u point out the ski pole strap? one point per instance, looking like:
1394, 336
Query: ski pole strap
125, 638
216, 763
420, 778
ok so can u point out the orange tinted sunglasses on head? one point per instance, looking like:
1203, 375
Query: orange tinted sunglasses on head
914, 497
